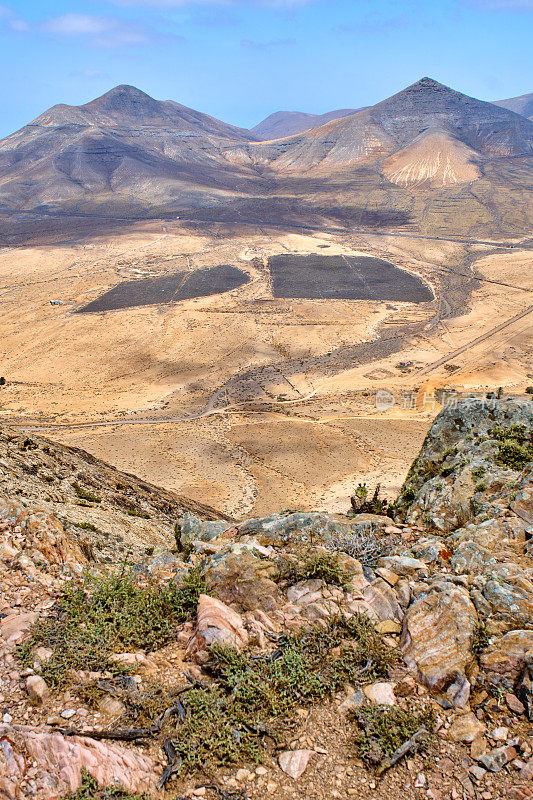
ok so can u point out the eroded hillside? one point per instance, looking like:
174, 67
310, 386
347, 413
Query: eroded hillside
299, 655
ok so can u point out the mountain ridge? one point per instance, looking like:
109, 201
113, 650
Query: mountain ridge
126, 150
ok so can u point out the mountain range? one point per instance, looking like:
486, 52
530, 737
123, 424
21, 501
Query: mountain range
428, 156
521, 105
287, 123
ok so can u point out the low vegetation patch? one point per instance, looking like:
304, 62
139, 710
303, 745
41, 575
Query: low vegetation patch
364, 544
325, 566
84, 494
250, 698
481, 639
97, 617
515, 448
90, 790
381, 731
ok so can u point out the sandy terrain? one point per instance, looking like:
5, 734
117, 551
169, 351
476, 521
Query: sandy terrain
239, 400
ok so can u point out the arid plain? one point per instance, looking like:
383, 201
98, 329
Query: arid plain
246, 402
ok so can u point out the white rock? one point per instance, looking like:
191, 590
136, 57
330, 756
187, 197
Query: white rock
382, 694
294, 762
37, 689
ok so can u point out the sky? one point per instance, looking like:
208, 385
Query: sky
241, 60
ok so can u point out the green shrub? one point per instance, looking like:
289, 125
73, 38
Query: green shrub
87, 526
325, 566
83, 494
382, 730
97, 617
90, 790
481, 639
514, 455
478, 473
515, 448
250, 697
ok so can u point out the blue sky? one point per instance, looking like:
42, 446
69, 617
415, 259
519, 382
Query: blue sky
240, 60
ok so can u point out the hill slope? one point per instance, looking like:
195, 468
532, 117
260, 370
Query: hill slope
124, 142
287, 123
520, 105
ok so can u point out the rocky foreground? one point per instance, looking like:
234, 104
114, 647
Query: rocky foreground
296, 656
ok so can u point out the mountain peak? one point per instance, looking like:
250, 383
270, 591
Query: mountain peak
125, 99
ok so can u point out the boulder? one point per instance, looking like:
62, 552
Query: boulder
190, 528
217, 624
37, 689
41, 532
381, 694
245, 579
436, 640
403, 565
466, 728
504, 660
471, 558
56, 763
509, 592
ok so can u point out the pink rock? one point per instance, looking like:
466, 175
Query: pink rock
294, 762
217, 623
13, 628
37, 689
57, 763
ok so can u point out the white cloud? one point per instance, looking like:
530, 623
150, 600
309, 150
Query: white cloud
106, 32
74, 24
9, 19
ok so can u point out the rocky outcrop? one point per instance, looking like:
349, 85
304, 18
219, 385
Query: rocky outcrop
437, 638
47, 765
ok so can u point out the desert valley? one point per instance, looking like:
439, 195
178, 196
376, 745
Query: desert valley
266, 449
216, 313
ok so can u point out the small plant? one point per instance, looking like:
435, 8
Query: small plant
478, 473
97, 617
325, 566
87, 526
363, 544
513, 455
2, 380
362, 505
481, 639
529, 389
383, 730
141, 514
83, 494
90, 790
480, 487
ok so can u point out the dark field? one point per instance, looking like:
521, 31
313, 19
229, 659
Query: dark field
169, 288
344, 278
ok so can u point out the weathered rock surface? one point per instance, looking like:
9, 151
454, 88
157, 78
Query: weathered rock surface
217, 623
437, 636
48, 765
504, 660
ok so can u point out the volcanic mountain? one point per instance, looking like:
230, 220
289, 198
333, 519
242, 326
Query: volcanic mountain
124, 143
428, 157
448, 120
287, 123
520, 105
